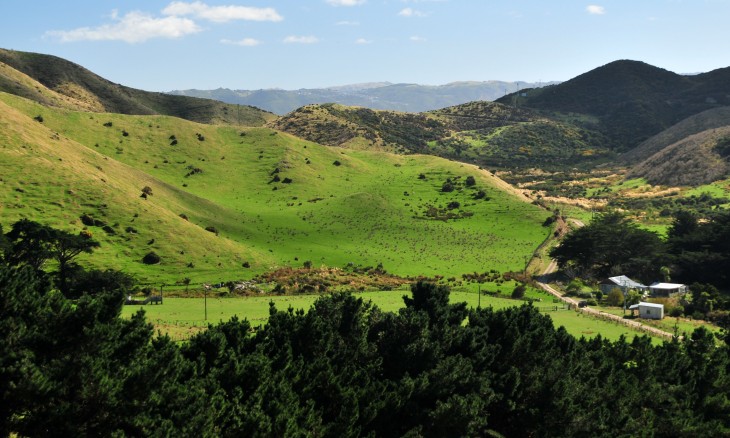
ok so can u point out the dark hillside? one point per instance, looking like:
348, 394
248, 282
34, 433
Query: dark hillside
630, 99
710, 119
633, 100
76, 82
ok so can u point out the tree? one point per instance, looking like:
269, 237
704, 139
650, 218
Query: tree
65, 247
609, 241
33, 244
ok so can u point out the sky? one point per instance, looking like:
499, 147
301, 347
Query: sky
292, 44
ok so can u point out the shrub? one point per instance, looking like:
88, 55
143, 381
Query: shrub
287, 181
246, 264
470, 181
421, 176
615, 297
173, 143
212, 230
151, 258
183, 216
108, 124
38, 118
447, 187
519, 292
147, 190
87, 220
125, 133
453, 205
337, 163
676, 311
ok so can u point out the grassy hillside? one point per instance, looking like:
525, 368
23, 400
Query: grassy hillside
85, 90
484, 133
274, 200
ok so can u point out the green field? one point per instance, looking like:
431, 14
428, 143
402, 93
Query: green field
182, 317
271, 199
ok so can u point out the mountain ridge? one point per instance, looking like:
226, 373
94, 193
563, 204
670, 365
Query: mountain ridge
408, 97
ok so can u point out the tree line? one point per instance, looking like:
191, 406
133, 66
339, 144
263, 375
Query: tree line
70, 366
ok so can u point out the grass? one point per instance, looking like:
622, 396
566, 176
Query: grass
370, 209
182, 317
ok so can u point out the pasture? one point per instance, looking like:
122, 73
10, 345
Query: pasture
228, 203
182, 317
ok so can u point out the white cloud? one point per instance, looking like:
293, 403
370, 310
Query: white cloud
222, 14
301, 39
595, 10
417, 39
347, 23
246, 42
362, 41
410, 12
345, 2
134, 27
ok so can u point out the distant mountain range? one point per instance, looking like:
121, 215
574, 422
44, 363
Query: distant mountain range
375, 95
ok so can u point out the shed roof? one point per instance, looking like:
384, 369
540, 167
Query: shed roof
653, 305
625, 281
666, 286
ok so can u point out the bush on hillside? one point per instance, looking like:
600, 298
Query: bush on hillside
151, 258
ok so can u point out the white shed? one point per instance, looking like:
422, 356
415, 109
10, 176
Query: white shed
649, 310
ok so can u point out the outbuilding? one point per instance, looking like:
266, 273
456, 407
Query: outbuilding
649, 310
667, 289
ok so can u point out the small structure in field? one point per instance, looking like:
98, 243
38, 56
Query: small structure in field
667, 289
648, 310
622, 282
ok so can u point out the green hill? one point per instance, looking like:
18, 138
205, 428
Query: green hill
269, 199
51, 80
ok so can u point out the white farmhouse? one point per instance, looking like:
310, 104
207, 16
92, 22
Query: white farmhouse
667, 289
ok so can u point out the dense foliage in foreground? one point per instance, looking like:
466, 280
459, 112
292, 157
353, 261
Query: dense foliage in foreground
344, 368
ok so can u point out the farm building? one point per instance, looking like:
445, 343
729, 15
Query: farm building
621, 282
648, 310
667, 289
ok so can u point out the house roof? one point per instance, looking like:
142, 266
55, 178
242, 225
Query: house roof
625, 281
666, 286
653, 305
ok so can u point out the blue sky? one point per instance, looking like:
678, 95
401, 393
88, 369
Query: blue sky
251, 44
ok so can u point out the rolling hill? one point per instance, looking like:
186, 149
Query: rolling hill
55, 81
378, 95
484, 133
230, 202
